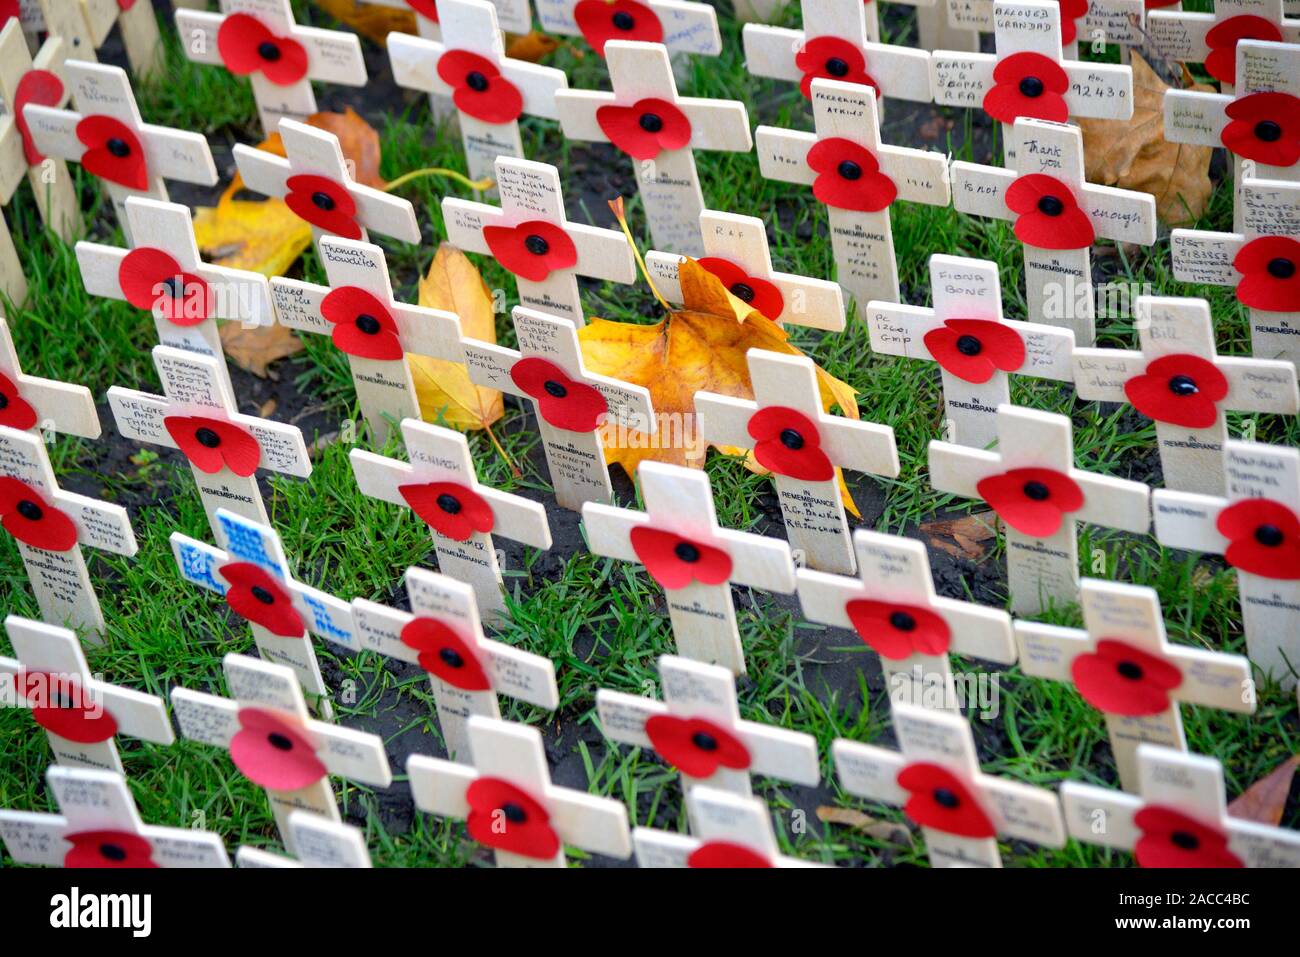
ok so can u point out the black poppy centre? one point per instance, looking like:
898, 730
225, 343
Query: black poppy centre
537, 245
207, 438
262, 595
792, 439
623, 20
849, 170
1183, 385
514, 813
1185, 840
30, 510
902, 621
279, 741
1037, 491
1032, 87
118, 147
743, 291
687, 552
451, 657
1270, 536
476, 81
1129, 670
368, 324
1268, 131
268, 51
651, 122
704, 741
112, 852
1050, 206
322, 201
969, 345
946, 798
449, 503
1281, 268
555, 389
4, 401
835, 66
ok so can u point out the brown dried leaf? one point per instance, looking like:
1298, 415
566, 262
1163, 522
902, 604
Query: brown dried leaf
969, 534
359, 142
889, 831
1265, 800
370, 20
254, 348
532, 46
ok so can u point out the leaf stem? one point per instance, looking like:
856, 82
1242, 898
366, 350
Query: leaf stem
616, 206
479, 184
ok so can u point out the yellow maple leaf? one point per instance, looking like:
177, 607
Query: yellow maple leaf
370, 20
263, 236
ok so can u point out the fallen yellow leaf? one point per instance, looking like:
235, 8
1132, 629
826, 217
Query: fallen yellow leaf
370, 20
530, 46
265, 236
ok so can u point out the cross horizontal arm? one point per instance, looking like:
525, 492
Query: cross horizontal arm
777, 752
868, 771
957, 470
1260, 385
1085, 805
1100, 374
1024, 812
920, 176
1113, 502
1187, 520
170, 154
1213, 679
1192, 116
900, 72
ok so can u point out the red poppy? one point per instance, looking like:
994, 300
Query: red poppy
1033, 501
563, 402
113, 152
255, 594
60, 705
1071, 12
108, 849
646, 128
1222, 38
15, 411
942, 801
1159, 4
759, 293
1270, 273
324, 204
1120, 679
1172, 839
363, 326
429, 8
601, 21
28, 517
1263, 538
42, 88
248, 46
449, 508
9, 9
675, 562
1047, 214
975, 349
1028, 84
274, 752
787, 442
505, 818
849, 177
896, 631
152, 279
1180, 390
125, 4
478, 88
446, 654
214, 444
695, 746
831, 58
1265, 127
725, 854
534, 249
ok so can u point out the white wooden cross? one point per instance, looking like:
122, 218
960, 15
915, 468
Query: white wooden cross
977, 348
316, 182
259, 39
803, 447
509, 803
489, 90
646, 119
319, 842
678, 540
1033, 486
199, 415
251, 572
697, 729
893, 608
935, 777
358, 312
443, 635
857, 177
273, 741
107, 136
1179, 380
30, 403
81, 714
1123, 665
531, 237
1211, 38
100, 827
50, 527
736, 251
138, 27
1260, 261
1178, 818
680, 25
573, 406
164, 274
441, 488
13, 281
1257, 525
1112, 21
65, 19
1058, 215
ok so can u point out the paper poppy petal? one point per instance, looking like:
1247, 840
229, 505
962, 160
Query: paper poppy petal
1277, 114
646, 128
115, 849
150, 279
1222, 39
897, 631
717, 854
563, 402
788, 443
246, 45
762, 295
60, 705
29, 517
975, 349
362, 324
674, 561
1263, 538
1120, 679
254, 594
1048, 213
478, 88
942, 801
1162, 391
449, 508
1270, 274
42, 88
214, 444
425, 8
1171, 838
1007, 100
506, 818
443, 652
1033, 501
601, 21
849, 177
534, 249
695, 746
113, 152
323, 203
831, 58
273, 753
15, 411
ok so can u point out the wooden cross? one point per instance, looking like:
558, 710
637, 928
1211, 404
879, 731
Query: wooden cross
737, 252
533, 239
697, 729
358, 312
199, 415
66, 19
858, 178
678, 540
13, 282
680, 25
1211, 38
443, 635
273, 741
935, 777
50, 527
1113, 21
1033, 486
893, 608
1255, 524
164, 274
81, 714
1179, 380
1058, 215
977, 348
514, 16
259, 39
316, 182
573, 406
138, 27
320, 842
441, 487
489, 90
788, 433
509, 803
646, 119
111, 141
100, 827
33, 404
1123, 665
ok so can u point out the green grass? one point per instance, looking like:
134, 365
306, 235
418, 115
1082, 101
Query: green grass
601, 622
